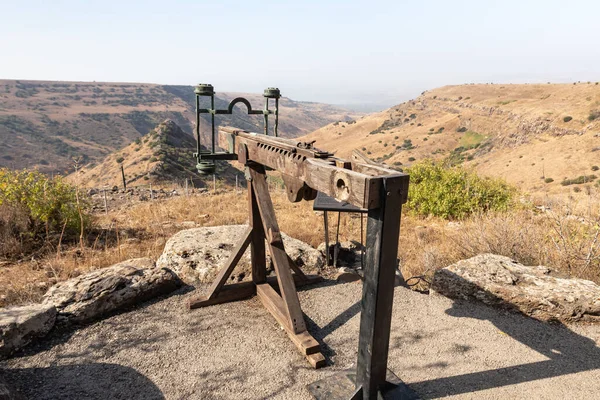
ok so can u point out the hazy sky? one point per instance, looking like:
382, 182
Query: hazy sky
330, 51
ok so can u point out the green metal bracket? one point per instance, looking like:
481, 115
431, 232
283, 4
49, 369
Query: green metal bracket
206, 158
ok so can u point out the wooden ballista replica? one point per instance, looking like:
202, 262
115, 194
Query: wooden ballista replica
306, 170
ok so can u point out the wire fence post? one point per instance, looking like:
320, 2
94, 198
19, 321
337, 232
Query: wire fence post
105, 203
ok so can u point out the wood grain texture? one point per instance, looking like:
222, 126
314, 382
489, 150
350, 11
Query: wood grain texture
277, 251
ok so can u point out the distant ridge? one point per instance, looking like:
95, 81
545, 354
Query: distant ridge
162, 156
45, 124
543, 138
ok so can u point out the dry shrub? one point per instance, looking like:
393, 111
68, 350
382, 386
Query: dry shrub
14, 223
520, 235
558, 240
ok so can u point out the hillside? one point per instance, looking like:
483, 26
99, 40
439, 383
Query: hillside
543, 138
46, 124
162, 156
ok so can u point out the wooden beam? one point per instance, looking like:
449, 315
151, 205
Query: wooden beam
277, 251
233, 260
297, 271
228, 293
383, 229
307, 345
247, 289
257, 248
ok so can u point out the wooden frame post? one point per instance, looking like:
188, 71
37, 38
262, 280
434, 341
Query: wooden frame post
383, 230
283, 305
371, 379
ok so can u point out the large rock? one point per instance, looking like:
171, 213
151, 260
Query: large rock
500, 281
20, 325
196, 255
89, 296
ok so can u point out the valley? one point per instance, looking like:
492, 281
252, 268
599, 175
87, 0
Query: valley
47, 125
542, 138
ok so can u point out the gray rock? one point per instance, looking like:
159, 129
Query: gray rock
20, 325
197, 254
499, 281
92, 295
346, 275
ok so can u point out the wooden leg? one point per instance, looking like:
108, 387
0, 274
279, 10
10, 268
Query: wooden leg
326, 222
277, 250
383, 228
258, 257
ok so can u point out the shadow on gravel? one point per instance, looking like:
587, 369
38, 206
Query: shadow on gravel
567, 352
82, 381
62, 333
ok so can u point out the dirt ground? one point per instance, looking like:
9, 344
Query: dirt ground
438, 346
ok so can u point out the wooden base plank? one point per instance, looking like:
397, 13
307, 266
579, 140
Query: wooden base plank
307, 345
317, 360
228, 293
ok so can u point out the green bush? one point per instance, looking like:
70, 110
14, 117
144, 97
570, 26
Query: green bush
120, 160
595, 168
579, 180
594, 115
411, 159
49, 205
567, 118
548, 180
461, 129
455, 192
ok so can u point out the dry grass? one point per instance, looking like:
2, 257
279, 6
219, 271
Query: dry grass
529, 140
556, 239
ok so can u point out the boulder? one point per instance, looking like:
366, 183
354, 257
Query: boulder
197, 254
20, 325
346, 275
499, 281
92, 295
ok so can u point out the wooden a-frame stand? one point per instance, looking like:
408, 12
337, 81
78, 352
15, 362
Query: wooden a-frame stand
285, 305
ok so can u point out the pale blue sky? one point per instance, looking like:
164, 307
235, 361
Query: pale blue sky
331, 51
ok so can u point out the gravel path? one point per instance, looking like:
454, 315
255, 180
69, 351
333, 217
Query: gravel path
237, 351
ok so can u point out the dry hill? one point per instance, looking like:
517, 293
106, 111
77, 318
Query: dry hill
544, 138
47, 124
162, 156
